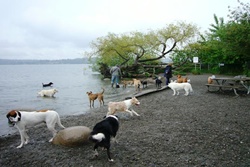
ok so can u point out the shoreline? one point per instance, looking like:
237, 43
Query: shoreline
203, 129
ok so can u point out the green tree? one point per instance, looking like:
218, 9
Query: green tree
229, 42
137, 48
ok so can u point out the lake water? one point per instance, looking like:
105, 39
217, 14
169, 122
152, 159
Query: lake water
20, 84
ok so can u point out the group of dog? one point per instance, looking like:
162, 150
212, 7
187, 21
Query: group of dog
47, 92
101, 134
138, 84
103, 131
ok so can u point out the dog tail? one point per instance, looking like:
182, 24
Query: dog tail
59, 122
97, 137
102, 90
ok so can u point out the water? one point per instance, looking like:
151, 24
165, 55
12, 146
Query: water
20, 83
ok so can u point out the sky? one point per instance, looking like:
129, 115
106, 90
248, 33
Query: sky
64, 29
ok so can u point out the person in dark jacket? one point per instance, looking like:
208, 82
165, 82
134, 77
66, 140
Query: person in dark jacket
168, 73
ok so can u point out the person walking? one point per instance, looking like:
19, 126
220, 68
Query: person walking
115, 72
168, 73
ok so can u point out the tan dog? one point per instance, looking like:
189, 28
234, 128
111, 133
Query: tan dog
210, 79
125, 83
123, 106
93, 97
137, 84
180, 79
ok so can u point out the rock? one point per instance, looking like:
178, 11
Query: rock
72, 136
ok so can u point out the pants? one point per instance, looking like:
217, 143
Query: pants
167, 80
115, 79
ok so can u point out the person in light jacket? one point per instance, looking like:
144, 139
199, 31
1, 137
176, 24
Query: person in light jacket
115, 72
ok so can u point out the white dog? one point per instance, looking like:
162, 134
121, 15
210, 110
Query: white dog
176, 87
21, 119
49, 92
123, 106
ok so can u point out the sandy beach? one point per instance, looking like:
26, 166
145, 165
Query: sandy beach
203, 129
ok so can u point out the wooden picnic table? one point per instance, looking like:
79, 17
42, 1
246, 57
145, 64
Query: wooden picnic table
234, 83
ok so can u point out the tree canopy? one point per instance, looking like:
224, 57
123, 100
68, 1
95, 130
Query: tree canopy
135, 48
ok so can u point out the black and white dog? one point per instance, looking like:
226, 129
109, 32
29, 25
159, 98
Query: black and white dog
144, 84
102, 133
48, 84
158, 82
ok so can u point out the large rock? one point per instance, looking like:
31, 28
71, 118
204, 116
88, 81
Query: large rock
72, 136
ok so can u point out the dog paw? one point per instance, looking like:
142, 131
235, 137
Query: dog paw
111, 160
20, 146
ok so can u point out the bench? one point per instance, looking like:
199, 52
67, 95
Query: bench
234, 87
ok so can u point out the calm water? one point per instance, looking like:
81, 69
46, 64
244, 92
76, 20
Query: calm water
20, 83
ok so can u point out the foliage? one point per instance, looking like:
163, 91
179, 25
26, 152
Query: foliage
227, 43
137, 48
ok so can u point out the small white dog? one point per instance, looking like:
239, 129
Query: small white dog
21, 119
123, 106
176, 87
48, 93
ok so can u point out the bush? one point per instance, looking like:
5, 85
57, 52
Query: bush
196, 71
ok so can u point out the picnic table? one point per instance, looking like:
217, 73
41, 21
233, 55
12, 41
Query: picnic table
233, 83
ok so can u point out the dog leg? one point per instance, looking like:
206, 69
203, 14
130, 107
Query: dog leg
187, 93
23, 141
89, 103
114, 140
131, 113
95, 150
26, 138
108, 152
174, 92
135, 113
52, 129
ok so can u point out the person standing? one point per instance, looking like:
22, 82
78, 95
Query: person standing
168, 73
115, 72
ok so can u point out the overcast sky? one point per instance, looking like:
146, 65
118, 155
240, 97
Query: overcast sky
61, 29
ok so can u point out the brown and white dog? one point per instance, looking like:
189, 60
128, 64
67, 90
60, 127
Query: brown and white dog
137, 84
93, 97
21, 119
123, 106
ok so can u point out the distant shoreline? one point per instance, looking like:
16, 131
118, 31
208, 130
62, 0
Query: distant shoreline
31, 61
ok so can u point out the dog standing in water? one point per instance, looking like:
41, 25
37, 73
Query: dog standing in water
93, 97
